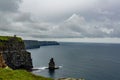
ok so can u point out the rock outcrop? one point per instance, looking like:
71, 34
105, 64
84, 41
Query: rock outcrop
51, 64
14, 54
2, 61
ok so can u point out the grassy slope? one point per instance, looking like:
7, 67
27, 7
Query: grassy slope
8, 74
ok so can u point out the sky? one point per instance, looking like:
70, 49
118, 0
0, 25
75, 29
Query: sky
61, 20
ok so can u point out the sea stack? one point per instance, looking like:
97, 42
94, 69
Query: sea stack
51, 64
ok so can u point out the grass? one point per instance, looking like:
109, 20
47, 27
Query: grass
9, 74
5, 38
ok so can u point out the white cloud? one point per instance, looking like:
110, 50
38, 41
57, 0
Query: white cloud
50, 9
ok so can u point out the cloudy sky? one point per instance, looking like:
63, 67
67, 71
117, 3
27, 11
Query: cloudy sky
70, 20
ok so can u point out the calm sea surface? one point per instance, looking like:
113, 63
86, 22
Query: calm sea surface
91, 61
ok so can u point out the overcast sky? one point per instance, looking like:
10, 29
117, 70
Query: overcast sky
39, 19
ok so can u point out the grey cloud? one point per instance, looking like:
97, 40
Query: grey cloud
40, 26
9, 5
100, 21
76, 27
23, 17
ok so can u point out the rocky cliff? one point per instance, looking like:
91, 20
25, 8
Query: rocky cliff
47, 43
2, 62
14, 54
31, 44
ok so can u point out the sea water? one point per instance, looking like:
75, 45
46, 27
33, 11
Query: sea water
92, 61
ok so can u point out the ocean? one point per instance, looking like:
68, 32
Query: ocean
92, 61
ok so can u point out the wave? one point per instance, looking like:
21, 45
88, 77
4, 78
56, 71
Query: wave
38, 69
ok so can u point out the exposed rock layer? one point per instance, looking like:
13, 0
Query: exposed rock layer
14, 54
2, 61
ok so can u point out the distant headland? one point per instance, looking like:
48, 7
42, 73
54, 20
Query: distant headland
31, 44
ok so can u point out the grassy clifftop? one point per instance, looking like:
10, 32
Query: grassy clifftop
8, 74
5, 38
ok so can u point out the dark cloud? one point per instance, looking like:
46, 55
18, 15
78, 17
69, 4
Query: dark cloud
9, 5
23, 17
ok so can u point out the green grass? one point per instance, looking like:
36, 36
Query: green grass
8, 74
5, 38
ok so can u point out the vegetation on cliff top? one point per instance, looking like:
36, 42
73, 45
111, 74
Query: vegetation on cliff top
5, 38
8, 74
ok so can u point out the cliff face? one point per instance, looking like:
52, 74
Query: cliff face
2, 62
31, 44
47, 43
13, 52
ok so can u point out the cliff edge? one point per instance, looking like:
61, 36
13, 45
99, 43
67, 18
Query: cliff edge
13, 53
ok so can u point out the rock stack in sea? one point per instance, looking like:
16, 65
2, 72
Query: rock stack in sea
13, 53
51, 64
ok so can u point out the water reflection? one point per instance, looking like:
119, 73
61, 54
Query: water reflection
51, 73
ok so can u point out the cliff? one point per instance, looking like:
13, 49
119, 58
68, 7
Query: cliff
14, 54
2, 62
31, 44
47, 43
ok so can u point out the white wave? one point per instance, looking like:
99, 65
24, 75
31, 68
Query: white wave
38, 69
60, 66
42, 68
